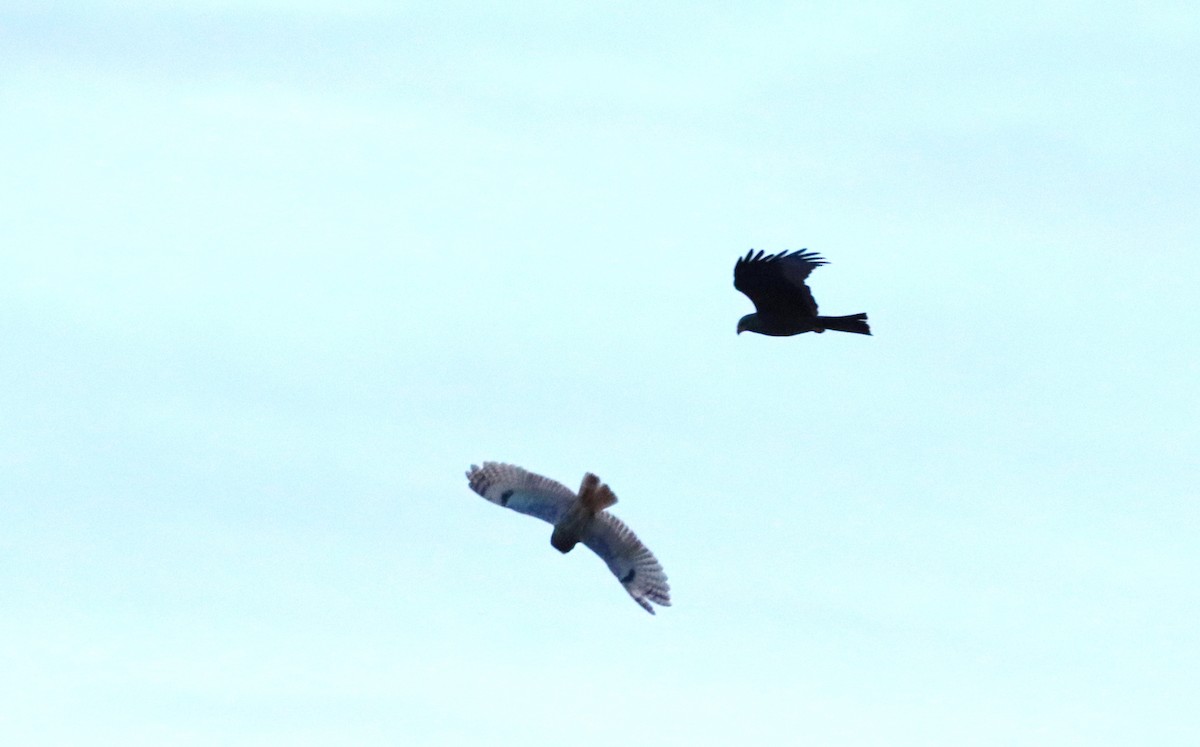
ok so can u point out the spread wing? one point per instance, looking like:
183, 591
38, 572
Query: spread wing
775, 282
630, 561
521, 490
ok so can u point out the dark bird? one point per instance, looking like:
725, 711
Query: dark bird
783, 304
578, 517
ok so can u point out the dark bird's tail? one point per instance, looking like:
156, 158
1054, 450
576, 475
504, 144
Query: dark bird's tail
856, 323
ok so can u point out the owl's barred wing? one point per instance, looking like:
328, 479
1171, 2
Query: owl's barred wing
630, 561
521, 490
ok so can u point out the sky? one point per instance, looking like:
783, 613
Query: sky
274, 274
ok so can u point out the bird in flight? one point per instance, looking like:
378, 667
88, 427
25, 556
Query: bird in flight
578, 517
783, 304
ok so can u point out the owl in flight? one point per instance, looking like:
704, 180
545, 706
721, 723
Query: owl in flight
578, 518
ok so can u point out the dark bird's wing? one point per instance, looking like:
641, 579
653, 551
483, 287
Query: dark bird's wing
775, 282
630, 561
521, 490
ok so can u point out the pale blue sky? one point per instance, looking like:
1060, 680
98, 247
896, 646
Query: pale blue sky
273, 274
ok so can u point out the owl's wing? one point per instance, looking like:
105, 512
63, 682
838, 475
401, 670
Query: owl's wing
521, 490
630, 561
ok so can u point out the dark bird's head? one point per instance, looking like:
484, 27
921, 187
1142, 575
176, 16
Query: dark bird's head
748, 323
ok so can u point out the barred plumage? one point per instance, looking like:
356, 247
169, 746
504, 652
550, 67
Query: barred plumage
578, 518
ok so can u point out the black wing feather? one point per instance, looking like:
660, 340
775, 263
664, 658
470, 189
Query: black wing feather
775, 282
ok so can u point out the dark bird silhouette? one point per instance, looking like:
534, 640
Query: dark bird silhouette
784, 305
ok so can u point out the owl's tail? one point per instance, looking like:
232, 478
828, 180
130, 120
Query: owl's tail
595, 495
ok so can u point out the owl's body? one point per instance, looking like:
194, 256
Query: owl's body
571, 527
